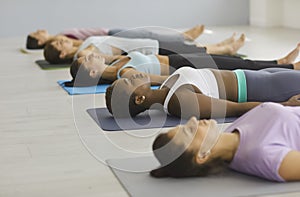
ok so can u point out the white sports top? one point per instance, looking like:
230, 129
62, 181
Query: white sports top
203, 79
105, 43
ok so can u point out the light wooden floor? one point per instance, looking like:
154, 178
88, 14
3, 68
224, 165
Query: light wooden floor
49, 146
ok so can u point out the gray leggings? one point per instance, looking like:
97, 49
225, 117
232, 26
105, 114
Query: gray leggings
170, 42
272, 84
155, 34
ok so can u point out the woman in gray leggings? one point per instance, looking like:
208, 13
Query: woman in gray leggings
62, 49
39, 38
205, 93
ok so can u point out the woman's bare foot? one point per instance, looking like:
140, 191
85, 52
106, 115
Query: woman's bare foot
290, 58
296, 66
236, 45
193, 33
229, 40
229, 49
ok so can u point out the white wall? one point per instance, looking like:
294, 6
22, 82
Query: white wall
291, 16
266, 12
19, 17
270, 13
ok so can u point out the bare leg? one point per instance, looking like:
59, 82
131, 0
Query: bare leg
193, 33
289, 58
229, 49
227, 41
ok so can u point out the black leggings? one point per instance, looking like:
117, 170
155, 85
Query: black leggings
222, 62
175, 48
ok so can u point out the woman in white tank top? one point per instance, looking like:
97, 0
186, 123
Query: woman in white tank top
64, 49
204, 93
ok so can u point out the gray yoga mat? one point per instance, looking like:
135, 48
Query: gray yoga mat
43, 64
227, 184
143, 121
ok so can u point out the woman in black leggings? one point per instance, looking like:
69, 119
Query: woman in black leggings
94, 68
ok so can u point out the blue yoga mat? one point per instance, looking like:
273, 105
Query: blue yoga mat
83, 90
87, 90
143, 121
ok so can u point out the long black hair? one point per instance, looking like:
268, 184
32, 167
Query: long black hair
185, 164
121, 104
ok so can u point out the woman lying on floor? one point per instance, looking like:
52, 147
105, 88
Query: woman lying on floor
264, 142
204, 93
39, 38
64, 50
92, 67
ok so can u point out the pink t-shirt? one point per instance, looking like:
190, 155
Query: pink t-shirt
84, 33
267, 133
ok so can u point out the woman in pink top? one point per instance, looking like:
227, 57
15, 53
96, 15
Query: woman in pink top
263, 142
39, 38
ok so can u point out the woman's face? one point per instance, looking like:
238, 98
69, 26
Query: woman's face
192, 134
138, 83
41, 35
62, 43
94, 63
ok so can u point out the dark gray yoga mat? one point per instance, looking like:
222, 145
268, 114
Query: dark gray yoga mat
43, 64
227, 184
143, 121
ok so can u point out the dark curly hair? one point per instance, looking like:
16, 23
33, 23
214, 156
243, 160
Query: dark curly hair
115, 103
183, 165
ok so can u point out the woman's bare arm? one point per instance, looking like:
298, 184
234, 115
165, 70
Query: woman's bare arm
188, 103
289, 169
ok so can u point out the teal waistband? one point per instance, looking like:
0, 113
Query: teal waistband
242, 85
